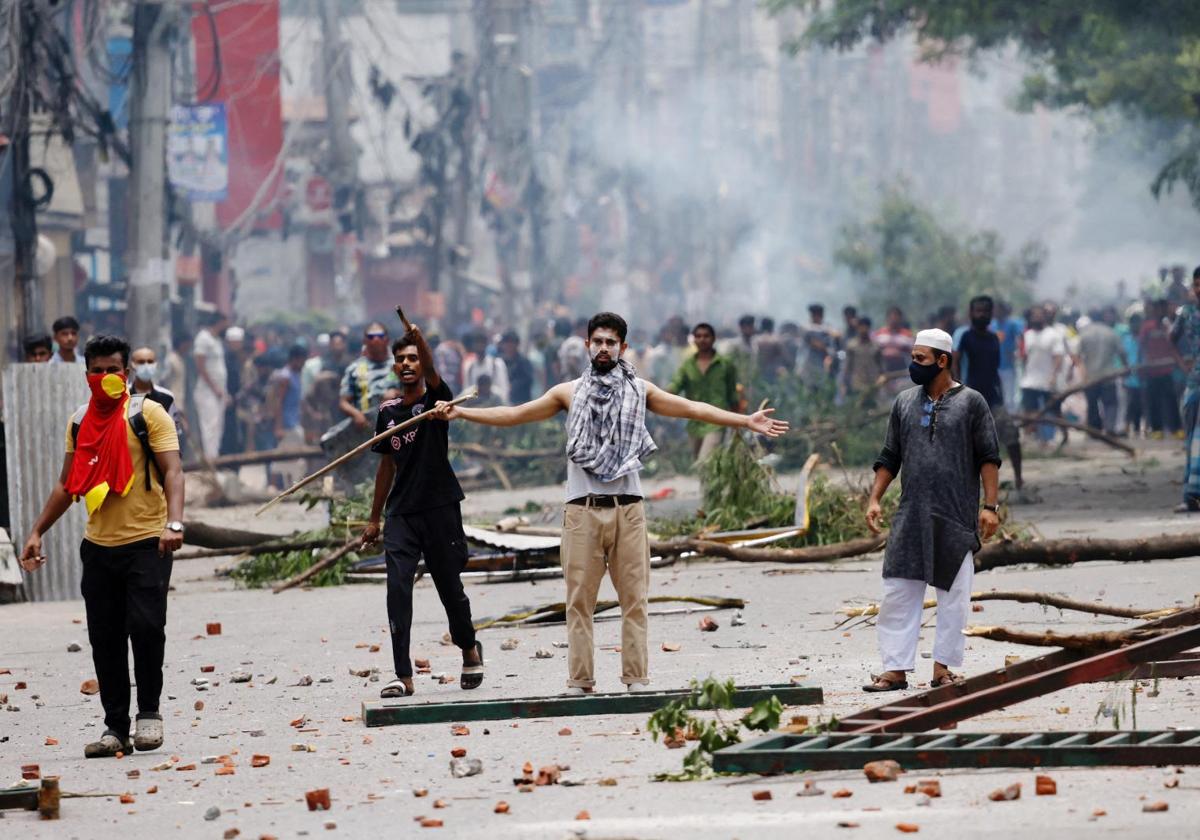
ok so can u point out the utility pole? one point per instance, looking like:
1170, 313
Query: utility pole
22, 210
147, 319
343, 158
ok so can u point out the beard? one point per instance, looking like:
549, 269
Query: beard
603, 366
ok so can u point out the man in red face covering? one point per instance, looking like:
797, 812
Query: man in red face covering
123, 461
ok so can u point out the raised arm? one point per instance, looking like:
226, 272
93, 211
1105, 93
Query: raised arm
425, 354
671, 405
544, 407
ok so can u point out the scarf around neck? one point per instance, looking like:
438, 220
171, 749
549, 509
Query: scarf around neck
102, 462
606, 427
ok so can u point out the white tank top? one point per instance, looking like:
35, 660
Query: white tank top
582, 483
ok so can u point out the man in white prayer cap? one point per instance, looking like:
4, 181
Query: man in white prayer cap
942, 442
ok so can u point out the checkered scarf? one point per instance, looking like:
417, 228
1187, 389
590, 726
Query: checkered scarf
606, 427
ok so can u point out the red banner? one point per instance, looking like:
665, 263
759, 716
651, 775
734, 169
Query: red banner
246, 57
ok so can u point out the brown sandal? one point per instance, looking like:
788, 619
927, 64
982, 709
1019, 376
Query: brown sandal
881, 683
947, 678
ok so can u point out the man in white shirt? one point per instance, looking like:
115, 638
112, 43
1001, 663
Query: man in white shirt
1043, 351
479, 363
211, 397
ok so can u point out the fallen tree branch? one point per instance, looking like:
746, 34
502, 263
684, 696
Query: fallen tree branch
1073, 641
1064, 552
1063, 423
261, 456
808, 554
259, 548
203, 535
1047, 599
556, 611
319, 566
1056, 399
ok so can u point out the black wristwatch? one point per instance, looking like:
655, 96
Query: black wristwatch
992, 508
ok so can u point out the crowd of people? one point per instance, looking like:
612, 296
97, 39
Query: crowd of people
234, 389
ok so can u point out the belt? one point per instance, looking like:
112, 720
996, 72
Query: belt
605, 501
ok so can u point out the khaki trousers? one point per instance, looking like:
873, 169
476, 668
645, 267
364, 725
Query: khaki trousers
596, 538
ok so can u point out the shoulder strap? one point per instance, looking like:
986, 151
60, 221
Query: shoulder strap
134, 413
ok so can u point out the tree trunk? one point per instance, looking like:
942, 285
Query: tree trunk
808, 554
1073, 641
1064, 552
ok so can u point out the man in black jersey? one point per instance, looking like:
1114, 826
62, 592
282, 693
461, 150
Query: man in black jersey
422, 499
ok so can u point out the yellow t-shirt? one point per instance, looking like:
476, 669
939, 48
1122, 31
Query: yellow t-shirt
139, 514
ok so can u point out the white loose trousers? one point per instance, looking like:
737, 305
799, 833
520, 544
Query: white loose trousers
899, 621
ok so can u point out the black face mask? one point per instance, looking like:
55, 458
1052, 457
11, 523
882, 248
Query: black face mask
981, 323
923, 374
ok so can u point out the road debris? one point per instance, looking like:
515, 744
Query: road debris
882, 771
1006, 794
460, 768
317, 800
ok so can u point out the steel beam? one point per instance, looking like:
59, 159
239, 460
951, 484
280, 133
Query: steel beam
837, 751
899, 708
404, 712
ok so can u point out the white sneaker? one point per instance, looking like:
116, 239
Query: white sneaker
577, 691
637, 688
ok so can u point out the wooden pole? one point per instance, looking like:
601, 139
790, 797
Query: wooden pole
1103, 437
356, 451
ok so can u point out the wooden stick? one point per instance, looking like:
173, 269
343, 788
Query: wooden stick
1047, 599
322, 564
358, 450
403, 319
1103, 437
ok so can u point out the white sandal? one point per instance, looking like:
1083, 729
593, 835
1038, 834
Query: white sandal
396, 688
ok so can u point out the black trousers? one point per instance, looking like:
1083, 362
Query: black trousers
125, 594
1102, 406
437, 535
1162, 403
1133, 409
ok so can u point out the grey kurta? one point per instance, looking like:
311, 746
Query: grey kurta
938, 466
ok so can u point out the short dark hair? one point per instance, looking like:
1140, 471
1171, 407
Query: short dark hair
510, 335
767, 325
610, 321
66, 322
298, 351
704, 325
562, 327
983, 300
937, 354
864, 321
746, 321
337, 334
1196, 272
816, 307
106, 345
36, 341
403, 341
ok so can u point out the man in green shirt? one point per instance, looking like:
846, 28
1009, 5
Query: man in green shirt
709, 378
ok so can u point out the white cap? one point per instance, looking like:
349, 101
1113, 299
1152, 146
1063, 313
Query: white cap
235, 334
937, 339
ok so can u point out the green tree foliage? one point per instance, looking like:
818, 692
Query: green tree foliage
1137, 59
903, 256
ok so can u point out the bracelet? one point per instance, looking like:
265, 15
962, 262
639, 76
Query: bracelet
992, 508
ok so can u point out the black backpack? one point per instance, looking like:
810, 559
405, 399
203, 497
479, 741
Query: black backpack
137, 422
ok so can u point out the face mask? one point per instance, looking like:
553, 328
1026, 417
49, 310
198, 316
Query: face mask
981, 323
107, 387
923, 374
145, 372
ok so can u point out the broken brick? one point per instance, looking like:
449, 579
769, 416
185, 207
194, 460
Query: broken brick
260, 760
843, 793
317, 800
670, 647
51, 742
127, 799
564, 731
1007, 794
231, 833
583, 815
88, 687
1045, 786
31, 771
213, 628
882, 771
761, 795
419, 792
133, 774
21, 686
908, 828
930, 787
458, 752
1154, 807
225, 770
421, 663
185, 767
207, 669
708, 625
547, 775
459, 729
1171, 783
847, 824
501, 808
198, 705
152, 789
430, 822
